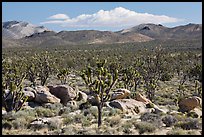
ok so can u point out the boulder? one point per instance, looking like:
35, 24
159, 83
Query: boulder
30, 93
188, 104
44, 96
129, 105
82, 97
72, 104
196, 113
4, 112
120, 94
44, 122
142, 98
64, 92
92, 100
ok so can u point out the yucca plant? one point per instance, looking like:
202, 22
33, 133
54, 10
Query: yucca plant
13, 74
63, 75
100, 80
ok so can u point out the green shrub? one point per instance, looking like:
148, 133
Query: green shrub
145, 127
86, 122
114, 120
68, 119
189, 123
45, 112
166, 77
152, 118
127, 126
176, 131
169, 120
6, 124
54, 125
192, 114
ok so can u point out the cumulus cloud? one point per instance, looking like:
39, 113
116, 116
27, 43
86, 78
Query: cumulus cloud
115, 18
59, 16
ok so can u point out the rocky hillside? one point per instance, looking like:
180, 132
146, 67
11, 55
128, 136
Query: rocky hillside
16, 34
20, 29
189, 31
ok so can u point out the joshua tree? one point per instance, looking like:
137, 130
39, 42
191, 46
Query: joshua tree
100, 80
13, 74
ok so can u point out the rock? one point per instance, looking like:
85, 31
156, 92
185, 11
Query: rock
158, 110
30, 93
44, 122
64, 92
188, 104
75, 112
82, 97
44, 96
129, 106
92, 100
4, 112
72, 104
7, 94
141, 98
120, 94
195, 113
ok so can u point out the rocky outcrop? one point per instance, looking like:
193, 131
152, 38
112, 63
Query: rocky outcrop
29, 93
44, 96
82, 97
120, 94
188, 104
44, 122
129, 106
142, 98
64, 92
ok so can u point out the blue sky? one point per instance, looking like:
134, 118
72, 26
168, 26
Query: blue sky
102, 15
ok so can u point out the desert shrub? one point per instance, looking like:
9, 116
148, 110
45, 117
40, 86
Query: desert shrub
177, 131
94, 111
44, 112
114, 120
166, 77
189, 123
6, 124
86, 122
53, 106
68, 130
111, 112
64, 111
20, 123
28, 114
169, 120
145, 127
127, 126
192, 114
152, 118
78, 118
68, 119
54, 125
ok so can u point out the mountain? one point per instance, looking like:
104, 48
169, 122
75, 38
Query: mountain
189, 31
17, 33
95, 37
19, 29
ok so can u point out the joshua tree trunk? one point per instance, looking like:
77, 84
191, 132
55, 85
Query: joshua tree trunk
99, 114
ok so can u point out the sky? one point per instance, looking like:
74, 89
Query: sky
112, 16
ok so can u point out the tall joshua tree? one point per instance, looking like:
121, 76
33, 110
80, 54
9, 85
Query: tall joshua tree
100, 80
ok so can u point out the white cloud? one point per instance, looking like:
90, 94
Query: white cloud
118, 17
59, 16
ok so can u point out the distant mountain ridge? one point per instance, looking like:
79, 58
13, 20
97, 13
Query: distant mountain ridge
161, 32
20, 29
22, 34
